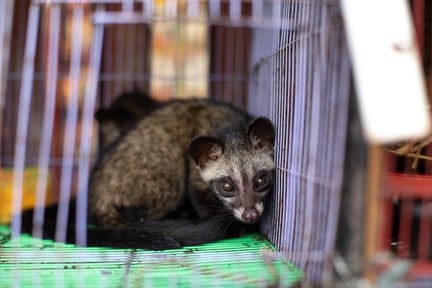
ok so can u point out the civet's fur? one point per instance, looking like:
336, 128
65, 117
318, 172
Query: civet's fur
191, 172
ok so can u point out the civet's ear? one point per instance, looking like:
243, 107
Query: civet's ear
205, 149
261, 132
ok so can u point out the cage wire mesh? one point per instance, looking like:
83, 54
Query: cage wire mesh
302, 82
283, 59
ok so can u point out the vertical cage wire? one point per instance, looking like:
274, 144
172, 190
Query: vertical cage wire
308, 81
70, 131
23, 120
6, 9
48, 120
85, 150
39, 131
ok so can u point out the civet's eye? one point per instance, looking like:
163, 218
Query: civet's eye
227, 188
262, 181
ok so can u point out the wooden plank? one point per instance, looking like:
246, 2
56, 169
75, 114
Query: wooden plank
372, 225
408, 186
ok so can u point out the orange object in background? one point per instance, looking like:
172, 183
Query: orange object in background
29, 191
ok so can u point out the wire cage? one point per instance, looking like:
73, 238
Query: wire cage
63, 59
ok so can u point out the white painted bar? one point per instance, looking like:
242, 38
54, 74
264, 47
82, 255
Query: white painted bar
387, 71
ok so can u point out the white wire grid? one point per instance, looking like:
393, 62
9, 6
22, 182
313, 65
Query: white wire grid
298, 76
302, 80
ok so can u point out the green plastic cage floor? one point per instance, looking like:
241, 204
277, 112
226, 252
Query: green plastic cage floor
249, 261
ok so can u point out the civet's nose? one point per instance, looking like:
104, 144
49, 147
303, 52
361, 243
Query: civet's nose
250, 216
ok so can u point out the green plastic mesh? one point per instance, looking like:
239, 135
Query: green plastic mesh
249, 261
